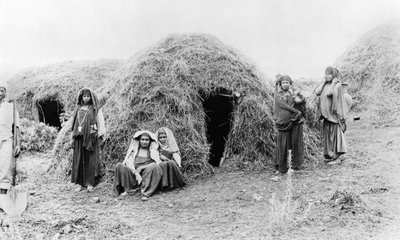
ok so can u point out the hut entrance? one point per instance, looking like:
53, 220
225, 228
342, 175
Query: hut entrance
49, 112
218, 108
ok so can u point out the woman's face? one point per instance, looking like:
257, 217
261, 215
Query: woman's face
285, 85
328, 77
162, 137
144, 141
2, 93
86, 98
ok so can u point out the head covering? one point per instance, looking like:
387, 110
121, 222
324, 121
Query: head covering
3, 84
93, 96
284, 78
333, 71
170, 144
89, 137
145, 132
134, 146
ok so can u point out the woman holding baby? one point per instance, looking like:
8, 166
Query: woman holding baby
288, 116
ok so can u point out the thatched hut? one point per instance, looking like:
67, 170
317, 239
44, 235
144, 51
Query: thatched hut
370, 67
215, 101
44, 93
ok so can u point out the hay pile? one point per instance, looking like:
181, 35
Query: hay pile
164, 85
58, 81
371, 67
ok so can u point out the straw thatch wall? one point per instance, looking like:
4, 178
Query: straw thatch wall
369, 67
58, 81
161, 86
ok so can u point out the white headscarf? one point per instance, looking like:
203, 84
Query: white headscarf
170, 144
134, 147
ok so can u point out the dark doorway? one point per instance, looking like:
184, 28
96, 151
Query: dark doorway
218, 108
50, 111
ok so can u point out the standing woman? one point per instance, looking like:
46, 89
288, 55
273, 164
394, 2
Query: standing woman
170, 159
88, 129
332, 110
289, 125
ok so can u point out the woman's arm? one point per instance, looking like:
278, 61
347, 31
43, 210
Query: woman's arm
101, 127
319, 88
281, 104
177, 157
331, 88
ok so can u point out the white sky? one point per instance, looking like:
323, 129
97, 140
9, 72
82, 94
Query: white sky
295, 37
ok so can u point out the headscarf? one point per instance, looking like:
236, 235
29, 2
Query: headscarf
93, 96
134, 148
89, 137
333, 71
3, 85
284, 78
170, 145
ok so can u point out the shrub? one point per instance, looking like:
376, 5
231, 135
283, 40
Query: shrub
36, 136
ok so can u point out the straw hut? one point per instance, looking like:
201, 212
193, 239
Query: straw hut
369, 66
214, 99
45, 93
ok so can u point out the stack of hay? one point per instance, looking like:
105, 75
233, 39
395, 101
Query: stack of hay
371, 67
60, 82
164, 86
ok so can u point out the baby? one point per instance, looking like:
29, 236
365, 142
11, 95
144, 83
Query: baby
299, 103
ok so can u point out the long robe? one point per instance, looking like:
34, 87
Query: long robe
289, 134
87, 128
333, 111
172, 176
125, 179
6, 143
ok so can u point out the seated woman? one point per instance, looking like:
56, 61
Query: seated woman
140, 166
171, 160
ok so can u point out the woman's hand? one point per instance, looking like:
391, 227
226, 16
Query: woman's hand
138, 178
163, 158
17, 151
296, 116
335, 81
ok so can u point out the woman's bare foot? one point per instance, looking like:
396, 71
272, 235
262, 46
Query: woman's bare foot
145, 198
124, 194
90, 188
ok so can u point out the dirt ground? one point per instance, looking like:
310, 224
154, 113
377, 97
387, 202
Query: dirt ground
358, 198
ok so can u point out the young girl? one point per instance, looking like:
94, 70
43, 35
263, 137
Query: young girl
170, 159
87, 128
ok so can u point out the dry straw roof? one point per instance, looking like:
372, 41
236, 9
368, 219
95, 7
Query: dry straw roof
163, 86
60, 81
370, 66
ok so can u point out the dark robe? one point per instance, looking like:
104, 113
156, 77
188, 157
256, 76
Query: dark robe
85, 163
333, 110
125, 179
289, 134
172, 176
